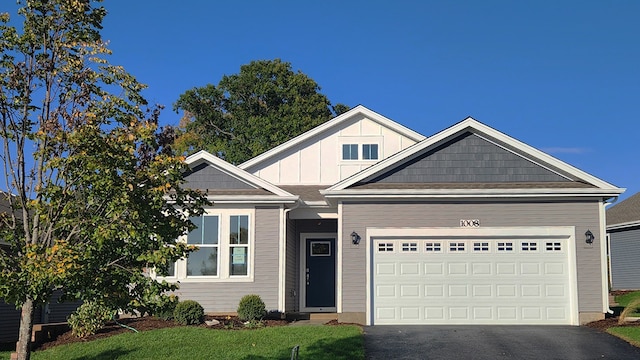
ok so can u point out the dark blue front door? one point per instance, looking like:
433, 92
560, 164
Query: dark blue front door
320, 273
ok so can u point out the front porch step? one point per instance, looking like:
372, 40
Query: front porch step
323, 316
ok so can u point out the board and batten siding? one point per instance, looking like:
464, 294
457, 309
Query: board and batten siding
225, 296
584, 215
625, 259
319, 160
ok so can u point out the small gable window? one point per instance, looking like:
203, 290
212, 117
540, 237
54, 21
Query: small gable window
370, 151
350, 152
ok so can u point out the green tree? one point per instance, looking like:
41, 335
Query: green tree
248, 113
91, 181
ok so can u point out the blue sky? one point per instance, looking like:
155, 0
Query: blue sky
562, 76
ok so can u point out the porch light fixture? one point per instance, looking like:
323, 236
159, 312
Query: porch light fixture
589, 237
355, 238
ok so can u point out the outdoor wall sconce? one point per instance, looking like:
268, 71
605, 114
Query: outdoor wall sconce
589, 237
355, 238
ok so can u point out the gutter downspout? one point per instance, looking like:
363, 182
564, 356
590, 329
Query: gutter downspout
283, 257
605, 248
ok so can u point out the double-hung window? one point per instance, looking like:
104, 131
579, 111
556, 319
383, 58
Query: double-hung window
206, 235
370, 151
238, 245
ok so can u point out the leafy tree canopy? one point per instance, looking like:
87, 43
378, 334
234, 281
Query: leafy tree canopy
248, 113
93, 192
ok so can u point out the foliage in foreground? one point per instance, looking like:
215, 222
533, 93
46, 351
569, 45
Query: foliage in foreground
251, 307
92, 187
625, 299
316, 342
630, 309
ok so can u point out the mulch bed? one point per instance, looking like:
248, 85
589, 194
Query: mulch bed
152, 323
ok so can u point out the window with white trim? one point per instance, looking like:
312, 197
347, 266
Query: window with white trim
456, 246
204, 261
385, 247
529, 246
481, 246
225, 248
369, 151
553, 246
238, 245
349, 151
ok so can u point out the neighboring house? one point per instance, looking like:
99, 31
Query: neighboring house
52, 312
623, 231
365, 218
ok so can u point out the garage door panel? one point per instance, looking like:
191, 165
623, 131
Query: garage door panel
519, 281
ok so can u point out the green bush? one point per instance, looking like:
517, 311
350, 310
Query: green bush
166, 309
251, 307
89, 318
188, 312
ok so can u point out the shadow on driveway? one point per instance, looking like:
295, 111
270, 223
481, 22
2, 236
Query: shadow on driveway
493, 342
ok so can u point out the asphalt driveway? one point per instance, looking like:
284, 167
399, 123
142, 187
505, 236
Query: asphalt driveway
494, 342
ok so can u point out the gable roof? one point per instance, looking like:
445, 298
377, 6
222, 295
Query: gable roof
331, 124
255, 185
352, 186
624, 214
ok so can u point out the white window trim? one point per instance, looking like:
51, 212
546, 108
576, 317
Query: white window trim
224, 251
360, 141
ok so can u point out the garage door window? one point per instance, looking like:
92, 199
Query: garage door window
481, 246
529, 246
431, 247
410, 247
553, 246
505, 246
385, 247
456, 247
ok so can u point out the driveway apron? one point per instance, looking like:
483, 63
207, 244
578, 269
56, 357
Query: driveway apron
494, 342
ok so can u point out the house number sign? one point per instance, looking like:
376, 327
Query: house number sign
474, 223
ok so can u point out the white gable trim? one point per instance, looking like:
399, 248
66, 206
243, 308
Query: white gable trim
250, 179
623, 225
358, 110
470, 123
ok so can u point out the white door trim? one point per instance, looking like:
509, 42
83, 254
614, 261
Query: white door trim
303, 265
567, 232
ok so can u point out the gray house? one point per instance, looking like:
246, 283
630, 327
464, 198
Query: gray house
623, 231
366, 219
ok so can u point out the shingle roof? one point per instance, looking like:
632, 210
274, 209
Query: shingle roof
509, 185
624, 212
306, 192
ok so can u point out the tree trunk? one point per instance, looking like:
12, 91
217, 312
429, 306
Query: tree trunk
23, 347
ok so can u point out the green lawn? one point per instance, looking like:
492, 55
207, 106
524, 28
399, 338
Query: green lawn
630, 334
316, 342
624, 300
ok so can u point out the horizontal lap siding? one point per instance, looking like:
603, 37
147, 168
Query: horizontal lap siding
225, 296
625, 259
583, 215
60, 311
291, 267
9, 322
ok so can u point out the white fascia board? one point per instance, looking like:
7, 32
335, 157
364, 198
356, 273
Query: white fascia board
623, 225
250, 199
330, 124
250, 179
464, 125
467, 193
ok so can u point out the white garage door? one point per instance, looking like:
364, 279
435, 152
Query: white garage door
479, 281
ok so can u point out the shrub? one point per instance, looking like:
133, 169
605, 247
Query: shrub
251, 307
166, 309
188, 312
89, 318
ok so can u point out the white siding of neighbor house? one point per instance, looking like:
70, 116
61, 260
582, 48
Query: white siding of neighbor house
318, 161
584, 215
225, 296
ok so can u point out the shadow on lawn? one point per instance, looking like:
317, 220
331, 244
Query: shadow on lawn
110, 354
327, 349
